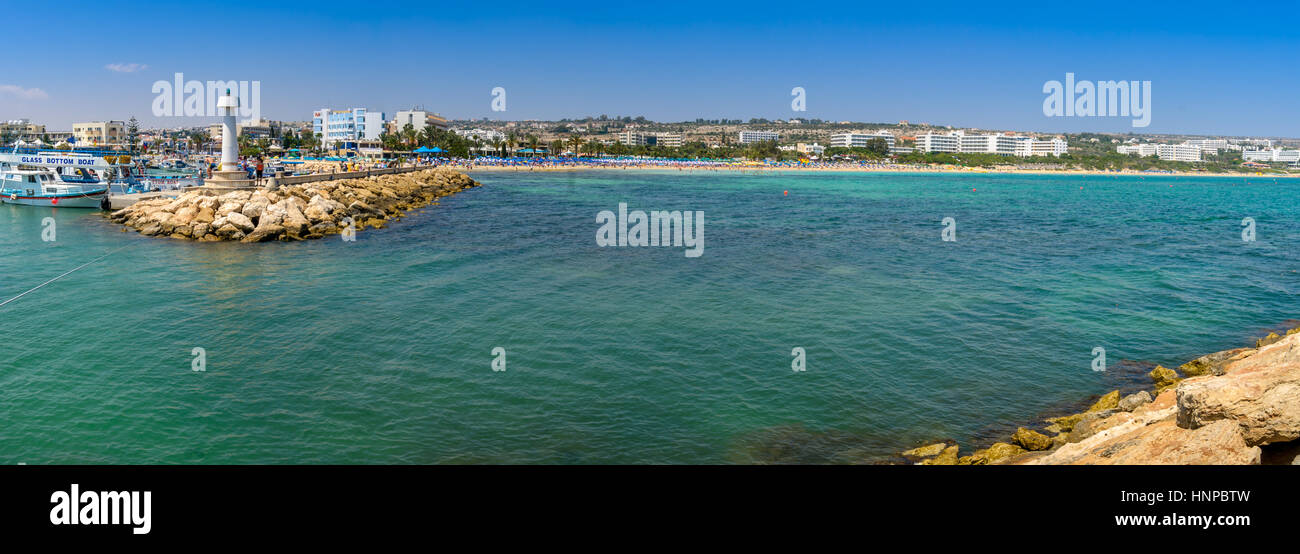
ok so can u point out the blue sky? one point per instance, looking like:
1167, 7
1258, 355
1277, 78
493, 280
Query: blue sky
1214, 68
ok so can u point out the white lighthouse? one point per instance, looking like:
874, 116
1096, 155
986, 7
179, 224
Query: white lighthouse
229, 174
228, 107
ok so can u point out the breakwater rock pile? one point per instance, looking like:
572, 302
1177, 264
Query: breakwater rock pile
291, 212
1238, 406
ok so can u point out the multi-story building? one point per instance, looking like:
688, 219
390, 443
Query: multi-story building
860, 140
669, 140
1271, 155
958, 142
1178, 153
486, 136
253, 129
1139, 149
1210, 146
931, 142
812, 149
21, 129
634, 138
344, 128
1049, 147
747, 137
417, 118
99, 133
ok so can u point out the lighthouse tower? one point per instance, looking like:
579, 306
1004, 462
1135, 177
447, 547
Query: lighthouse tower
229, 174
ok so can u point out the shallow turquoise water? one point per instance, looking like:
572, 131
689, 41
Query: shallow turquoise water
380, 351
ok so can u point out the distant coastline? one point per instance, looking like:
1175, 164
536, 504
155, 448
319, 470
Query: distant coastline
849, 169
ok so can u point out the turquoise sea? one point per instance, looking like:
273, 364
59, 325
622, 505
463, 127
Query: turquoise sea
381, 350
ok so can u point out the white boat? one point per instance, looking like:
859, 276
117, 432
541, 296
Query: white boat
54, 180
42, 186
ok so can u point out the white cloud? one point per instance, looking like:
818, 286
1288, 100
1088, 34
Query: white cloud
23, 93
126, 67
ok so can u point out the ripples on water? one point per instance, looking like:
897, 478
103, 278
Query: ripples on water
379, 351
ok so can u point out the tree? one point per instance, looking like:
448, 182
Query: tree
132, 134
199, 139
576, 143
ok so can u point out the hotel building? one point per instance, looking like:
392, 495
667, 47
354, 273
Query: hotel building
417, 118
486, 136
747, 137
1271, 155
21, 129
633, 138
860, 140
1139, 149
346, 127
958, 142
931, 142
1178, 153
1208, 145
669, 140
100, 133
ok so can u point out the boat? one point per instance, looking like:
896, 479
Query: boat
31, 185
55, 179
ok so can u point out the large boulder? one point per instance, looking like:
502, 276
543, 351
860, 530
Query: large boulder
925, 451
1260, 393
1163, 378
1213, 364
1108, 401
240, 222
1132, 401
1031, 440
1160, 443
947, 457
998, 452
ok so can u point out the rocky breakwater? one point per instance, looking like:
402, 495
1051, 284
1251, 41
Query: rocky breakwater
1238, 406
291, 212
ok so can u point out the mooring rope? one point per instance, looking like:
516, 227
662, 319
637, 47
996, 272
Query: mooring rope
69, 272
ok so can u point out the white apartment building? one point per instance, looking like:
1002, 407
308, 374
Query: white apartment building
669, 140
747, 137
1145, 149
1178, 153
347, 127
1036, 147
1208, 145
1271, 155
931, 142
486, 136
1006, 145
416, 118
860, 140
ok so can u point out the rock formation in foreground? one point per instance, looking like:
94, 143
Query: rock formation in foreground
292, 212
1226, 407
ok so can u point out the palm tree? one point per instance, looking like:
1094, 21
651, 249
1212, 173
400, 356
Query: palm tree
199, 139
576, 142
511, 142
496, 145
533, 142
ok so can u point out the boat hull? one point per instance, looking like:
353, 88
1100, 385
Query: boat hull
86, 200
